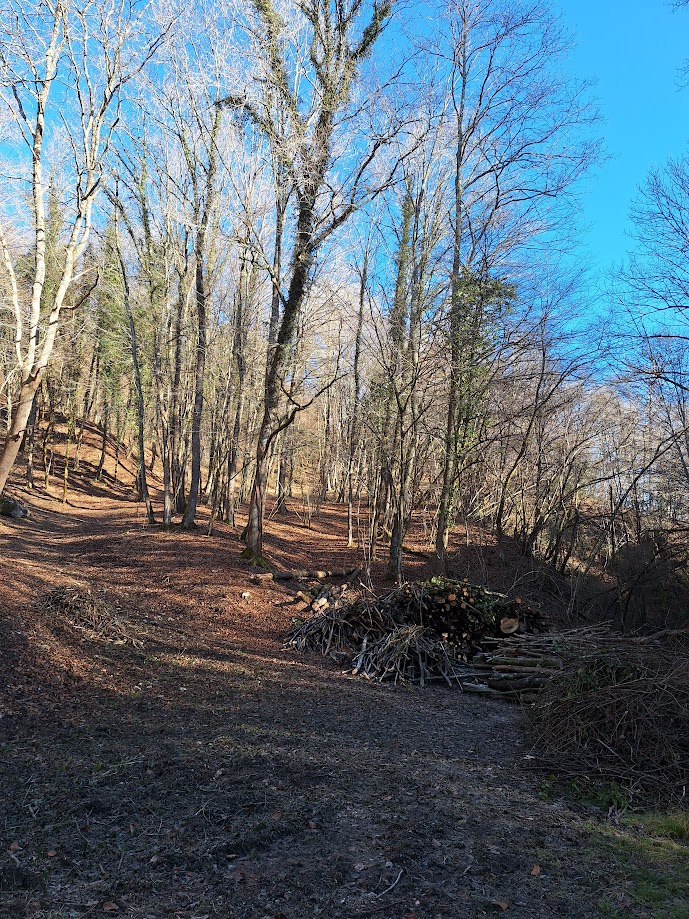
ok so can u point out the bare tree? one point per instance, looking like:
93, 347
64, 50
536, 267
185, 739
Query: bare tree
93, 50
318, 102
511, 123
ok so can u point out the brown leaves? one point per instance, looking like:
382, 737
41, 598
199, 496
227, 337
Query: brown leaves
535, 871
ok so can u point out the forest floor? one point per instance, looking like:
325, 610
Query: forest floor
178, 762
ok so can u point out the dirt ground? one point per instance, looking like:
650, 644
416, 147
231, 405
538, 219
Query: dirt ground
185, 765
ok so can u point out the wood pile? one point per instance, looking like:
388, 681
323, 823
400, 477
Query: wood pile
438, 630
461, 613
515, 669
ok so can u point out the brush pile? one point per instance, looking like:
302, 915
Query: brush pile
617, 711
97, 617
426, 632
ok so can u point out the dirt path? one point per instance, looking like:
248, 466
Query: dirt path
197, 770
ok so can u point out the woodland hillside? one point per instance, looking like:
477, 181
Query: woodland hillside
299, 251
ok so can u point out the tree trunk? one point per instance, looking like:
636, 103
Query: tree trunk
140, 405
203, 210
233, 456
281, 506
176, 466
199, 378
278, 362
29, 442
354, 429
20, 420
104, 443
450, 449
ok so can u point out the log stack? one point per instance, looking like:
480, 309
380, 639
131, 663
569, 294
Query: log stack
462, 613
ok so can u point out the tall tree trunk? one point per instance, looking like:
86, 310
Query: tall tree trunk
354, 428
92, 383
450, 449
326, 463
29, 442
140, 404
199, 379
104, 442
176, 466
20, 419
233, 455
408, 407
271, 423
281, 505
246, 290
203, 210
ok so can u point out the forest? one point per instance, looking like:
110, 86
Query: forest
315, 257
291, 285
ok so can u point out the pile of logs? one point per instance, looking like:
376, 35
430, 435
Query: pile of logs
438, 630
514, 668
462, 613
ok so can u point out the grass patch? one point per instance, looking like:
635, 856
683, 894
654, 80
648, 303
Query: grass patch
674, 825
646, 860
594, 794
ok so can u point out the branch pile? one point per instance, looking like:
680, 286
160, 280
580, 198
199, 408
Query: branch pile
426, 632
618, 711
96, 617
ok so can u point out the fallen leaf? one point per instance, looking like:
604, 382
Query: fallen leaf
500, 904
111, 907
312, 824
535, 871
52, 853
15, 847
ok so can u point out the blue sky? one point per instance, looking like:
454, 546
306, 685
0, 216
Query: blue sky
634, 51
